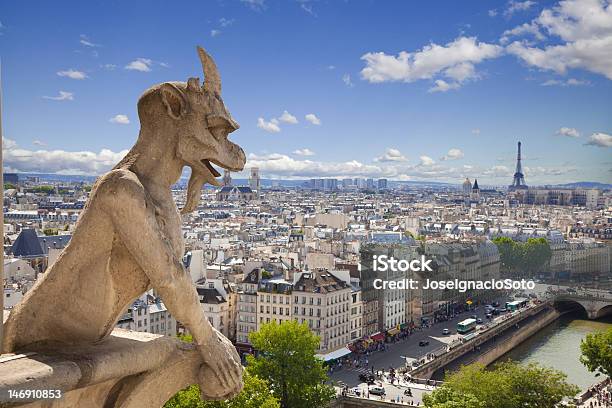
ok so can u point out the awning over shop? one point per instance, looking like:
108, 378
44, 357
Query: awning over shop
403, 326
393, 331
335, 354
378, 336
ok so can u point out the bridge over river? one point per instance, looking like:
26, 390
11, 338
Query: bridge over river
596, 303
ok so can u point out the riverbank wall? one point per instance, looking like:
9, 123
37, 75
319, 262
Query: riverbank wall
514, 330
523, 333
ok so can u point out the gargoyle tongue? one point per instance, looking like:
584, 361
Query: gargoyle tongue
211, 168
194, 188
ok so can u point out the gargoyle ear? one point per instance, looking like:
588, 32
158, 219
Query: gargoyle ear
174, 100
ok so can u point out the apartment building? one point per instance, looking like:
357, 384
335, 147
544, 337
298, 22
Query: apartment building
274, 301
356, 316
218, 300
149, 314
323, 301
247, 308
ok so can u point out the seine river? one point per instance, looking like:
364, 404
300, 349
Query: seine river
558, 346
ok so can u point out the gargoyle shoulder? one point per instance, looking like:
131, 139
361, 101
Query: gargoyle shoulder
120, 186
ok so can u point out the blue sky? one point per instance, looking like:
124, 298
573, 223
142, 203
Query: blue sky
404, 90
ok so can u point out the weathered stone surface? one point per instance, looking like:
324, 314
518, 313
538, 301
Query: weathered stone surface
128, 369
128, 240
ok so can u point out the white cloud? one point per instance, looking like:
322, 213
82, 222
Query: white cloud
454, 61
109, 67
255, 4
600, 139
283, 165
569, 132
215, 32
271, 126
391, 155
583, 31
331, 67
286, 117
38, 143
86, 42
225, 22
312, 118
120, 119
307, 8
515, 6
563, 82
453, 154
62, 96
140, 64
498, 171
59, 161
72, 74
492, 12
441, 85
525, 29
346, 78
304, 152
427, 161
476, 131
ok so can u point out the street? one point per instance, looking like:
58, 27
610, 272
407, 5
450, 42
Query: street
407, 350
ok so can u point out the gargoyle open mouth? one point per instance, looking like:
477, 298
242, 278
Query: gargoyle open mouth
210, 168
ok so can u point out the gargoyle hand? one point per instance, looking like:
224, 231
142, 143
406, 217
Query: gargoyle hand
221, 375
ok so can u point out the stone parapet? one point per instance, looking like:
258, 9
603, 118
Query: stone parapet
127, 370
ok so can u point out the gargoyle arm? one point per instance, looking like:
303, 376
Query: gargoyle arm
139, 231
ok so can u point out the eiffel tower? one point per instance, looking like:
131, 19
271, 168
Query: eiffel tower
519, 179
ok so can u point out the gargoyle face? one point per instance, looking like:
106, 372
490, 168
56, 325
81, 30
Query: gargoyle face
203, 125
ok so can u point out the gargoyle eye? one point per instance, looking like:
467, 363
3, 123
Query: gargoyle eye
216, 121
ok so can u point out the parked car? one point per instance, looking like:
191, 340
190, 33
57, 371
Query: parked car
445, 332
489, 316
479, 321
424, 343
495, 304
376, 390
474, 317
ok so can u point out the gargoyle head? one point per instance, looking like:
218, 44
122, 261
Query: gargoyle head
201, 124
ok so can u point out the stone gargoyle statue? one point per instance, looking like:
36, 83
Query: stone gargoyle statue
128, 238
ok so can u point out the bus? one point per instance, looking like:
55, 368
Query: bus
517, 304
466, 326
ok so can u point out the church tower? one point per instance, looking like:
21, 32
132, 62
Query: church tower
475, 195
227, 178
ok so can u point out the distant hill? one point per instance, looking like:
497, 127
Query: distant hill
586, 184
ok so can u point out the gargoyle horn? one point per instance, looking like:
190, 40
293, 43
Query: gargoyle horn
212, 79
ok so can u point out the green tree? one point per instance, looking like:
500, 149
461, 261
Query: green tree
507, 385
50, 231
286, 359
523, 259
447, 398
255, 394
9, 186
597, 352
509, 253
43, 189
536, 254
